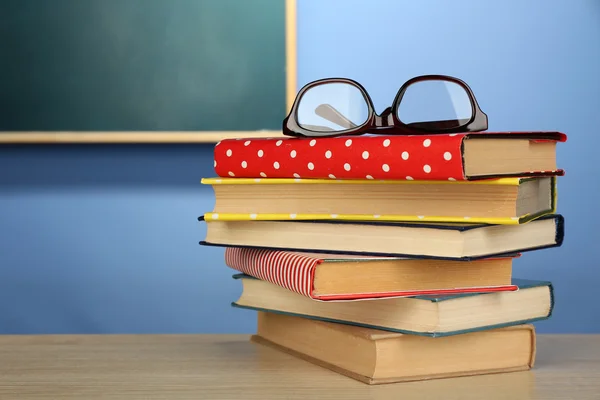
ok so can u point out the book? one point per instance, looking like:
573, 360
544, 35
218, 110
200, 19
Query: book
392, 239
433, 316
457, 241
330, 277
496, 201
464, 156
377, 357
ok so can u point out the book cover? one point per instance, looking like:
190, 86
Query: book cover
376, 217
522, 284
379, 238
326, 344
418, 157
296, 272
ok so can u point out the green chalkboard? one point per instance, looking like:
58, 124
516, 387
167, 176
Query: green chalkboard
143, 65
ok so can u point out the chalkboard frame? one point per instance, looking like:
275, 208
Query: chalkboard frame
101, 137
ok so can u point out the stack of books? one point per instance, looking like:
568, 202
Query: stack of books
390, 258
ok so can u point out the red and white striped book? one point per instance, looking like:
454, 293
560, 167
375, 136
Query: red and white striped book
323, 276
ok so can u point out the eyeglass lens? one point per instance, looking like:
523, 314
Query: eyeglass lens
443, 104
332, 107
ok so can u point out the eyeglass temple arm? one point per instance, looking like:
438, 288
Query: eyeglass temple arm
329, 112
318, 128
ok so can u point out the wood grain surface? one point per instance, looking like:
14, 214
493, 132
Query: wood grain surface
232, 367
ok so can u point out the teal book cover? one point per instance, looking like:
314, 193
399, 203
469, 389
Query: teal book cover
523, 285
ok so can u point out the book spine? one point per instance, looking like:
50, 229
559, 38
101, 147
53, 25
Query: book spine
423, 157
289, 270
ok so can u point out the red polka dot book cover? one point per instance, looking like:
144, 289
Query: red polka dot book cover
453, 157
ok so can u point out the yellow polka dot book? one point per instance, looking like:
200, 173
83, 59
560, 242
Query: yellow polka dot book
390, 258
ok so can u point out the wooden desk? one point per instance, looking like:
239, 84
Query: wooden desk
230, 367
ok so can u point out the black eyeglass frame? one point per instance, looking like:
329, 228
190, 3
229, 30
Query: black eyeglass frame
388, 122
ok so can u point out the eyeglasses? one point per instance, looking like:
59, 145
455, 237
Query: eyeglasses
425, 104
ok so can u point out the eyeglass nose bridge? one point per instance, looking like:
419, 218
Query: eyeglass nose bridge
384, 119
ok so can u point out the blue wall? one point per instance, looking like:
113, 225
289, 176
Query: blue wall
103, 239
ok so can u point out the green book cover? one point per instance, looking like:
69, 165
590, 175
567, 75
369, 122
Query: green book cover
523, 284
